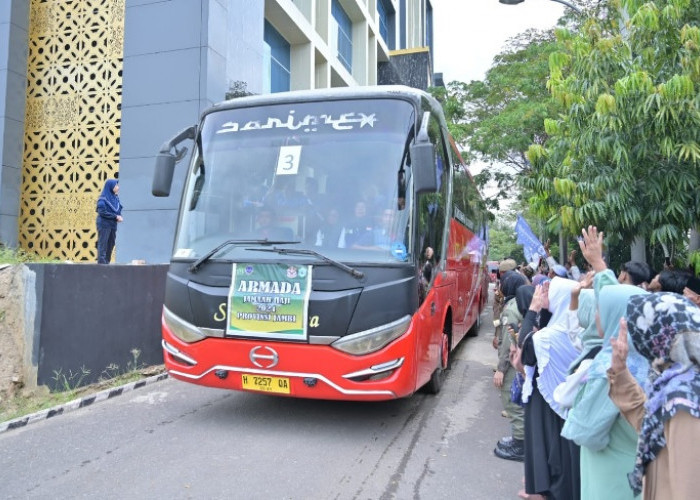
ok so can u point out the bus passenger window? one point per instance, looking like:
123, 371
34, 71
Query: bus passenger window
431, 206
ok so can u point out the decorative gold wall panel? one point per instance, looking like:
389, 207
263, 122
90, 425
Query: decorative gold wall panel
73, 117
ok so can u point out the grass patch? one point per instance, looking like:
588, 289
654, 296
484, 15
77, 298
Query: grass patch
27, 402
20, 256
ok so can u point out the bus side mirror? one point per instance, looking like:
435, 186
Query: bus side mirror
423, 160
423, 166
165, 162
163, 174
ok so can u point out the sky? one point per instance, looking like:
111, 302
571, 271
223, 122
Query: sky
469, 33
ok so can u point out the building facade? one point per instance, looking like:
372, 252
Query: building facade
90, 89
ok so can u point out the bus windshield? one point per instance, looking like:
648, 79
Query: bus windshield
319, 175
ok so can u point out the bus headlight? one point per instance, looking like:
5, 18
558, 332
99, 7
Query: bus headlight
374, 339
183, 330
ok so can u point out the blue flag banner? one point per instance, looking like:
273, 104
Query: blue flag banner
532, 247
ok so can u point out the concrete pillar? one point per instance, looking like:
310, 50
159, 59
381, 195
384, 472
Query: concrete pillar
14, 26
638, 249
302, 66
360, 52
694, 243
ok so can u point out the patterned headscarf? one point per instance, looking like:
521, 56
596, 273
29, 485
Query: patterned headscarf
653, 322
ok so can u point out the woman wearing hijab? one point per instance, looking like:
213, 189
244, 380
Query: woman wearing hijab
551, 462
582, 329
510, 447
539, 278
608, 442
665, 329
109, 213
590, 340
529, 323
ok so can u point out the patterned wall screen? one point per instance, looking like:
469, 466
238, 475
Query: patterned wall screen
72, 123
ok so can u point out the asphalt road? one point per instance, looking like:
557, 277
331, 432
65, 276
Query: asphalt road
178, 441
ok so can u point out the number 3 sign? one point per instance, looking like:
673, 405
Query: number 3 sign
288, 161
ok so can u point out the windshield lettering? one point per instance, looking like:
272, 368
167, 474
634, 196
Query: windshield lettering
309, 123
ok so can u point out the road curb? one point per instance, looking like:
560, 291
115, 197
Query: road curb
79, 403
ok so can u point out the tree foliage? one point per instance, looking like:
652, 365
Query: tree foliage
496, 119
502, 244
624, 154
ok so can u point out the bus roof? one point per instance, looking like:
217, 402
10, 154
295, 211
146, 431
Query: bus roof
359, 92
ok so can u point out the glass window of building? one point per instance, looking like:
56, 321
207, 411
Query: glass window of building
344, 27
277, 61
386, 22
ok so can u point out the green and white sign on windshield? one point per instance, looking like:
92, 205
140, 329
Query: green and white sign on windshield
269, 300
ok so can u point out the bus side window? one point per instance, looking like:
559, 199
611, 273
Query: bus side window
432, 206
469, 207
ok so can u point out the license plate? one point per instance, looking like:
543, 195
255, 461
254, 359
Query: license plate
264, 383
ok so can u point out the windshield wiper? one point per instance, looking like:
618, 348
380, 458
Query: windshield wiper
195, 265
300, 251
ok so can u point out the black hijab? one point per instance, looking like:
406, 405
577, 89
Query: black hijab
523, 297
511, 283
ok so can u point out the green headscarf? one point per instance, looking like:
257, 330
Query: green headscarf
593, 414
586, 319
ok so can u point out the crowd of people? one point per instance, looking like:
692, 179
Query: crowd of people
599, 375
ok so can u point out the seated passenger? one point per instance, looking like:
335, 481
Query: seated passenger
381, 237
285, 196
360, 227
427, 269
331, 234
266, 228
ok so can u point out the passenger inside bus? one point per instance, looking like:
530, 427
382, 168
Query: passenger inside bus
426, 272
267, 227
318, 200
381, 236
427, 269
331, 234
373, 198
285, 195
359, 228
316, 211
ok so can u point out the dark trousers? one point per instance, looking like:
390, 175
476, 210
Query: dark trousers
106, 238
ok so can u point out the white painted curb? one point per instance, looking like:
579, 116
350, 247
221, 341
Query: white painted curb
78, 403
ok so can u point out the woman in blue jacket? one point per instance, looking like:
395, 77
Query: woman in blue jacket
109, 210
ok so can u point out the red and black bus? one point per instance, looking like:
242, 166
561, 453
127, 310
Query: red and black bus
330, 244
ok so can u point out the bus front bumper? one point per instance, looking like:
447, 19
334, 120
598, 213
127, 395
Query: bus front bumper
294, 369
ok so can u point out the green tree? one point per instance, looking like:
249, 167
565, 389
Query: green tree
502, 244
625, 152
496, 119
